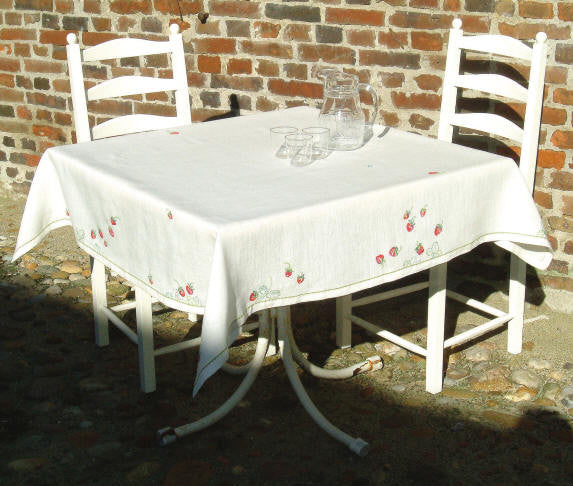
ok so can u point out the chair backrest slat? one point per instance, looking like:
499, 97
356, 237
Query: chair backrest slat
492, 84
498, 85
127, 85
120, 48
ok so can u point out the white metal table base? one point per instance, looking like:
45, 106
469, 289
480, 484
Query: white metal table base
289, 352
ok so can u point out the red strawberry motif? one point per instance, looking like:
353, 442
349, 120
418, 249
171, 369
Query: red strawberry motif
100, 233
110, 229
170, 215
104, 243
67, 213
423, 211
410, 225
406, 215
150, 278
93, 235
181, 291
438, 229
433, 172
300, 278
253, 296
394, 251
113, 220
189, 289
379, 259
288, 270
419, 249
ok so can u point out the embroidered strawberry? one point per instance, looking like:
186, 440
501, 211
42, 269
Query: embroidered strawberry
113, 220
410, 225
93, 235
253, 296
100, 233
189, 289
394, 251
169, 214
288, 270
406, 214
110, 229
150, 278
419, 248
423, 211
67, 213
181, 291
300, 278
433, 172
104, 243
380, 259
438, 229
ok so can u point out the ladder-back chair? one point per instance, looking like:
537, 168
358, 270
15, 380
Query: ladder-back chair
121, 125
507, 49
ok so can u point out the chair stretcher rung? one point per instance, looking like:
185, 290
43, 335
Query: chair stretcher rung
120, 324
477, 331
476, 304
172, 348
388, 336
127, 306
389, 294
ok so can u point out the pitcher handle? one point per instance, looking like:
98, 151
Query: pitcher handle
372, 92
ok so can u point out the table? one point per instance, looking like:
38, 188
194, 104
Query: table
207, 221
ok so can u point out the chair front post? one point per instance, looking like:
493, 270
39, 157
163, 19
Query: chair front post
343, 322
435, 338
144, 319
516, 304
99, 298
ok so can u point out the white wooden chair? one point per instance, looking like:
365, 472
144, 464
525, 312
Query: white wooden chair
126, 86
508, 49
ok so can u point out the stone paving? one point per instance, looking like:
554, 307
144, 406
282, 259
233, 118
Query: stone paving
71, 413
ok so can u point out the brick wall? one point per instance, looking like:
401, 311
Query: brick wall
265, 54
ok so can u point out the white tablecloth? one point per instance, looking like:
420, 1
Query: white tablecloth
207, 220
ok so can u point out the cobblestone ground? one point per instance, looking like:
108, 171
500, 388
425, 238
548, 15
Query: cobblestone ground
72, 413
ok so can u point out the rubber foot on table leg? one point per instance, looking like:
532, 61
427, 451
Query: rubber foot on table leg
360, 447
166, 436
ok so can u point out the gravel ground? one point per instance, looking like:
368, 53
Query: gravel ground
72, 413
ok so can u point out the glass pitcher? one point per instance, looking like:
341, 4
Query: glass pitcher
341, 111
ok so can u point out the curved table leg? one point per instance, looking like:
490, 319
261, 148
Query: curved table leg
372, 363
356, 445
169, 435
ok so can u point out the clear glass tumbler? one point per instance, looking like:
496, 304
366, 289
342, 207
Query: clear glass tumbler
299, 147
278, 144
320, 141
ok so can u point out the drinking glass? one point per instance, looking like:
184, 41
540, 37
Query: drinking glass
278, 144
320, 141
299, 147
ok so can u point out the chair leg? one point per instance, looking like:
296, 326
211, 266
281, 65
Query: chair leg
99, 298
144, 319
516, 304
436, 318
343, 322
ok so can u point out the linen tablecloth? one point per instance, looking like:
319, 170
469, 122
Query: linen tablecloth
207, 220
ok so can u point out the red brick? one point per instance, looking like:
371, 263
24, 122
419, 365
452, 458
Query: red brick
94, 38
295, 88
57, 37
565, 11
172, 7
327, 53
50, 132
23, 113
476, 24
416, 100
63, 118
215, 45
125, 23
18, 34
267, 30
452, 5
562, 180
568, 247
354, 16
529, 31
9, 64
267, 48
554, 116
390, 119
558, 266
37, 66
404, 60
420, 122
209, 64
563, 96
241, 83
231, 8
415, 20
239, 66
64, 6
543, 199
364, 38
559, 283
264, 104
393, 40
392, 80
562, 139
10, 95
7, 80
32, 160
61, 85
564, 53
296, 71
567, 205
101, 24
426, 42
297, 32
111, 107
154, 109
46, 5
92, 6
126, 7
268, 68
424, 3
196, 80
536, 10
551, 159
429, 82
